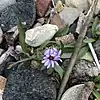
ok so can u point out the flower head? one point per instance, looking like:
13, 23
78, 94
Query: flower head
51, 56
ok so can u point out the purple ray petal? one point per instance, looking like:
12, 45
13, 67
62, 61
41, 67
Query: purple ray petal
56, 63
48, 66
52, 63
60, 60
57, 58
59, 53
43, 61
47, 62
51, 51
55, 49
45, 57
48, 55
47, 52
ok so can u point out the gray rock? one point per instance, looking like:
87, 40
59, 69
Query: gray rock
79, 92
27, 83
82, 71
39, 35
69, 15
25, 9
73, 92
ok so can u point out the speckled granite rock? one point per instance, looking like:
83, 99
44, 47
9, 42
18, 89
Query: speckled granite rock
29, 84
25, 9
82, 72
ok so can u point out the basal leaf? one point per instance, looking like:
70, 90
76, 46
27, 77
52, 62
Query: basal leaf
22, 37
82, 52
94, 25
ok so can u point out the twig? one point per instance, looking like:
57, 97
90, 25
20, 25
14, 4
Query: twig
83, 30
5, 55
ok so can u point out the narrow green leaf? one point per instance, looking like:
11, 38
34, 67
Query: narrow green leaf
97, 85
97, 79
96, 94
62, 31
82, 52
22, 37
61, 46
94, 25
59, 70
89, 40
68, 48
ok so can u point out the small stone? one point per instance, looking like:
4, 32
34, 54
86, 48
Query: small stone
42, 6
69, 15
66, 39
2, 82
27, 83
19, 49
25, 9
41, 20
39, 35
2, 85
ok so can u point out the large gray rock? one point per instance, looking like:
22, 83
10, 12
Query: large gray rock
27, 83
11, 10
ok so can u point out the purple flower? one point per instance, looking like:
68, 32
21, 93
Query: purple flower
51, 56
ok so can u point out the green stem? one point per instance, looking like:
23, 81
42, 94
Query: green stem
23, 60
